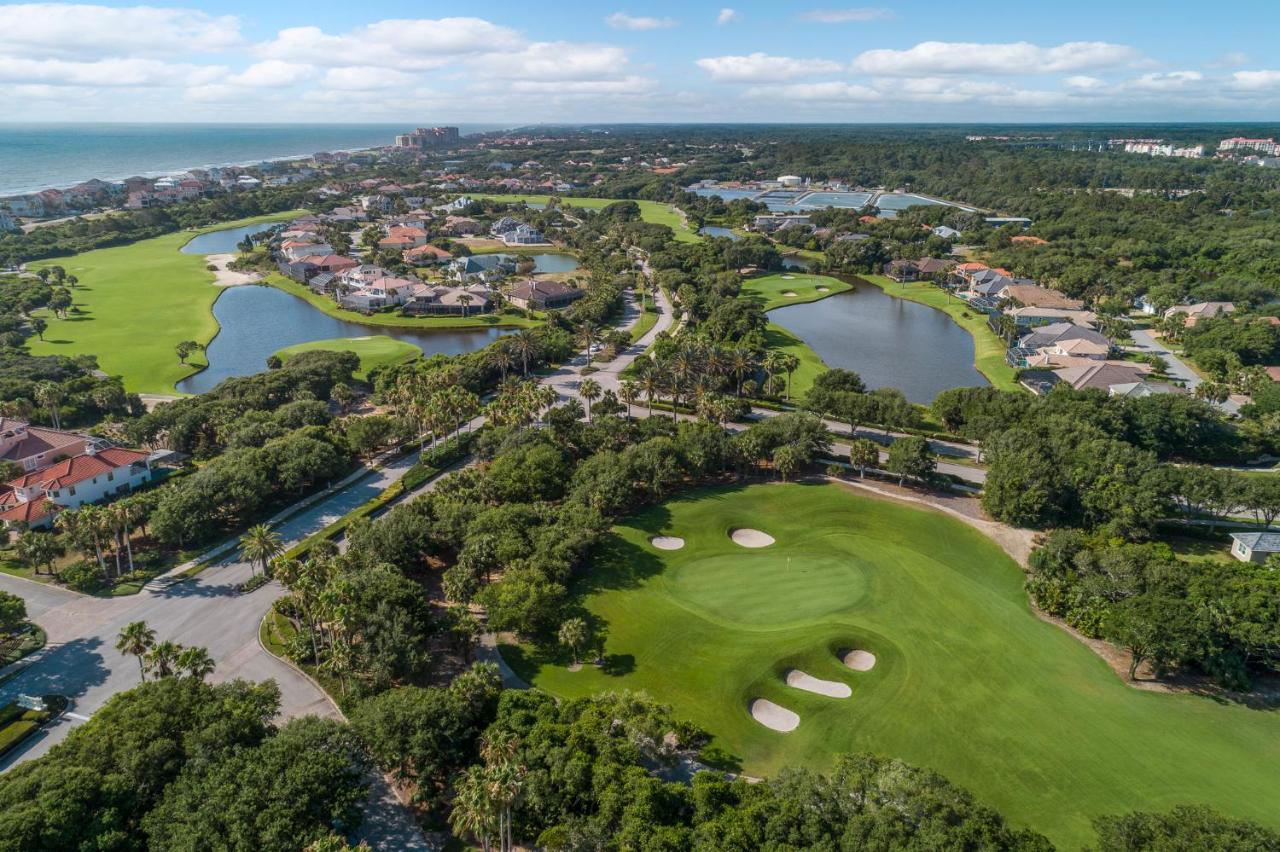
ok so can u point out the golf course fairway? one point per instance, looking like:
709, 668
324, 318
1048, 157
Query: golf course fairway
966, 679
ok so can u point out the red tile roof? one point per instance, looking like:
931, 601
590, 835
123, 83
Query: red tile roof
79, 468
30, 511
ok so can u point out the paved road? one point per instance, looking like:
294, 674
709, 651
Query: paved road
1145, 341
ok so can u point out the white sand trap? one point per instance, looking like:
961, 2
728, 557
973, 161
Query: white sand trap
790, 294
773, 716
824, 289
751, 538
787, 277
860, 661
667, 542
809, 683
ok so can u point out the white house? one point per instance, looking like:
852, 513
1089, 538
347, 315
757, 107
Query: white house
1254, 546
33, 499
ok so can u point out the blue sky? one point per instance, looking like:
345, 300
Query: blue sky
553, 61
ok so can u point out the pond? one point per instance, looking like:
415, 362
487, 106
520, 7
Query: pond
542, 261
225, 241
258, 320
889, 342
796, 263
717, 231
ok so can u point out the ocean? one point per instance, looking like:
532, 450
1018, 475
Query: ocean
39, 156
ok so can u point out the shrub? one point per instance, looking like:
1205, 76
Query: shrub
83, 576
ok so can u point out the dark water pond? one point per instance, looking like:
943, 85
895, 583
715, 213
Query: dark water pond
542, 261
717, 231
889, 342
223, 242
258, 320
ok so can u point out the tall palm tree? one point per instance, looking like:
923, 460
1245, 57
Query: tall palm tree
163, 657
473, 812
590, 390
651, 383
525, 344
261, 544
790, 364
573, 635
588, 334
37, 549
464, 299
501, 357
50, 395
137, 639
195, 663
629, 392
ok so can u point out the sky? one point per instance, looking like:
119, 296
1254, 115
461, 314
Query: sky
554, 61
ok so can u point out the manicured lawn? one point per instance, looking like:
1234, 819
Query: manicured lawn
32, 641
137, 302
769, 289
376, 350
967, 680
650, 211
988, 349
391, 320
777, 338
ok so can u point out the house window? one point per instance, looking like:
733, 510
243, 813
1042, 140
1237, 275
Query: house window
111, 474
71, 492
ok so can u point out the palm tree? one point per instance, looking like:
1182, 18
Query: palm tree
525, 344
473, 812
137, 639
162, 657
464, 299
50, 395
651, 383
790, 364
590, 390
37, 549
195, 663
503, 777
573, 635
261, 544
588, 334
501, 357
629, 392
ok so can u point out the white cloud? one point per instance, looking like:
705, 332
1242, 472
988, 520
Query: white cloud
1172, 81
845, 16
1084, 82
727, 16
1255, 80
366, 78
410, 45
940, 57
87, 31
271, 73
105, 72
624, 86
559, 60
760, 67
623, 21
833, 90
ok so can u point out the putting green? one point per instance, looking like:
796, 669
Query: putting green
967, 680
376, 350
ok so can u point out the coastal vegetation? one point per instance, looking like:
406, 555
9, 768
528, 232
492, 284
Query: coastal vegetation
653, 212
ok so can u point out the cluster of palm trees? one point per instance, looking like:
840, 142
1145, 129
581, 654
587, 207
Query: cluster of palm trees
519, 403
162, 659
97, 531
322, 597
487, 794
695, 371
436, 402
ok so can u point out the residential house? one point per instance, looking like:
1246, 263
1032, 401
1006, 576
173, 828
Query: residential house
34, 498
524, 235
464, 301
403, 238
1135, 390
1028, 316
1103, 375
769, 222
1146, 306
304, 268
915, 270
1033, 295
34, 447
426, 255
1254, 547
503, 226
536, 294
461, 226
1200, 310
945, 232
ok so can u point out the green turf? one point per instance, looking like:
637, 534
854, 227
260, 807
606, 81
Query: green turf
779, 339
650, 211
988, 348
968, 681
769, 289
376, 350
137, 302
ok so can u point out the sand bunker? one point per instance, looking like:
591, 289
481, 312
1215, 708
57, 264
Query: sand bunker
860, 661
751, 538
790, 294
824, 289
773, 716
667, 542
809, 683
788, 277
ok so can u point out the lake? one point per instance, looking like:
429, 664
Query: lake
717, 231
542, 261
258, 320
224, 241
889, 342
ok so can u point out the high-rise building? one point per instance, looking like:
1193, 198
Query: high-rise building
428, 137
